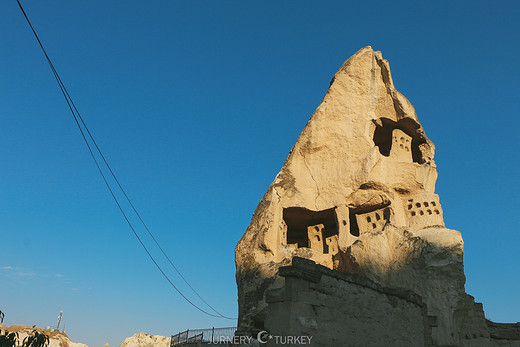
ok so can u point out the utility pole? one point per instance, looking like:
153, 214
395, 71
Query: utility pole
59, 321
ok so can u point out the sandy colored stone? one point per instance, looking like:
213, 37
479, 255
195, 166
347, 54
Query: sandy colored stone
345, 161
356, 194
401, 149
146, 340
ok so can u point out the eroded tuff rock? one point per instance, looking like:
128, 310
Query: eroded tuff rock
357, 194
146, 340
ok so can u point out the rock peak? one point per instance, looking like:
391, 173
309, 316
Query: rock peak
357, 195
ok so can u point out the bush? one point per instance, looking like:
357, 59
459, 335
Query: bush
36, 340
10, 339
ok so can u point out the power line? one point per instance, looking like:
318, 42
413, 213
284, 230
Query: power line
78, 118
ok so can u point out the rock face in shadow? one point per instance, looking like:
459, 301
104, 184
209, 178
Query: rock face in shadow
357, 195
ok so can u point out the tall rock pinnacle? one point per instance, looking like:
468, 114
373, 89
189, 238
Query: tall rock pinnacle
357, 195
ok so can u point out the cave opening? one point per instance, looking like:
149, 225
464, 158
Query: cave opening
383, 136
363, 217
299, 219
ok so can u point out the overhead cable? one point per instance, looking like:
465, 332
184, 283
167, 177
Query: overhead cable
86, 134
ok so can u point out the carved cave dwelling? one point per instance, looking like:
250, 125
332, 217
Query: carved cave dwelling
348, 244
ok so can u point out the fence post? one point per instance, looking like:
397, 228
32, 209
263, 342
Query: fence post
187, 334
212, 334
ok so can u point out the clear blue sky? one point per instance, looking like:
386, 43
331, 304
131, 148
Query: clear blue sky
196, 105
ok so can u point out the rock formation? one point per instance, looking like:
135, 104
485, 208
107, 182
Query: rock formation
146, 340
357, 195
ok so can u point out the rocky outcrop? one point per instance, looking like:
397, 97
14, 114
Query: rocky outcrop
315, 300
56, 339
146, 340
333, 308
357, 195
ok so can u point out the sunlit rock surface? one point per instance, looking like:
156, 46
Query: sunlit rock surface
146, 340
357, 195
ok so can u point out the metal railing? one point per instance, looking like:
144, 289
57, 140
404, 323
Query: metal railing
210, 335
